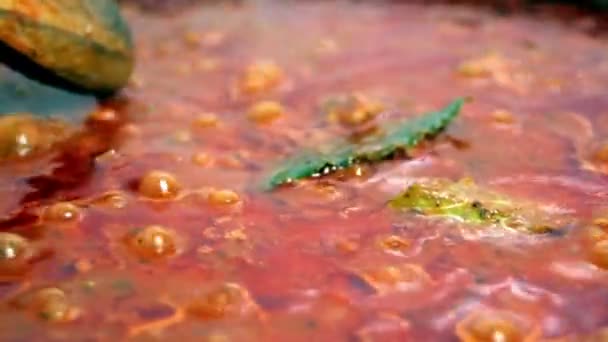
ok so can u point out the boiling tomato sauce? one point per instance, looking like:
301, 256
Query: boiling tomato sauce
148, 221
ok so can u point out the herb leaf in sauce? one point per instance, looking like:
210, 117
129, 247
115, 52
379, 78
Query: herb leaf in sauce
396, 136
466, 202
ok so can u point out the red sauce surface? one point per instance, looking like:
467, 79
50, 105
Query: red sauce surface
325, 259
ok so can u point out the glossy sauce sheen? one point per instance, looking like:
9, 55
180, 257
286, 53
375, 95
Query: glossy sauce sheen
149, 222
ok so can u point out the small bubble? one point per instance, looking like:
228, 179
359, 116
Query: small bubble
159, 185
347, 246
113, 199
152, 242
265, 112
206, 120
192, 38
260, 76
201, 159
352, 110
601, 155
103, 115
229, 299
62, 212
503, 117
490, 327
50, 304
599, 254
223, 197
395, 243
15, 253
22, 135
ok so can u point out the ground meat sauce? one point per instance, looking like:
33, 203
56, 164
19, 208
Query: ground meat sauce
148, 222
